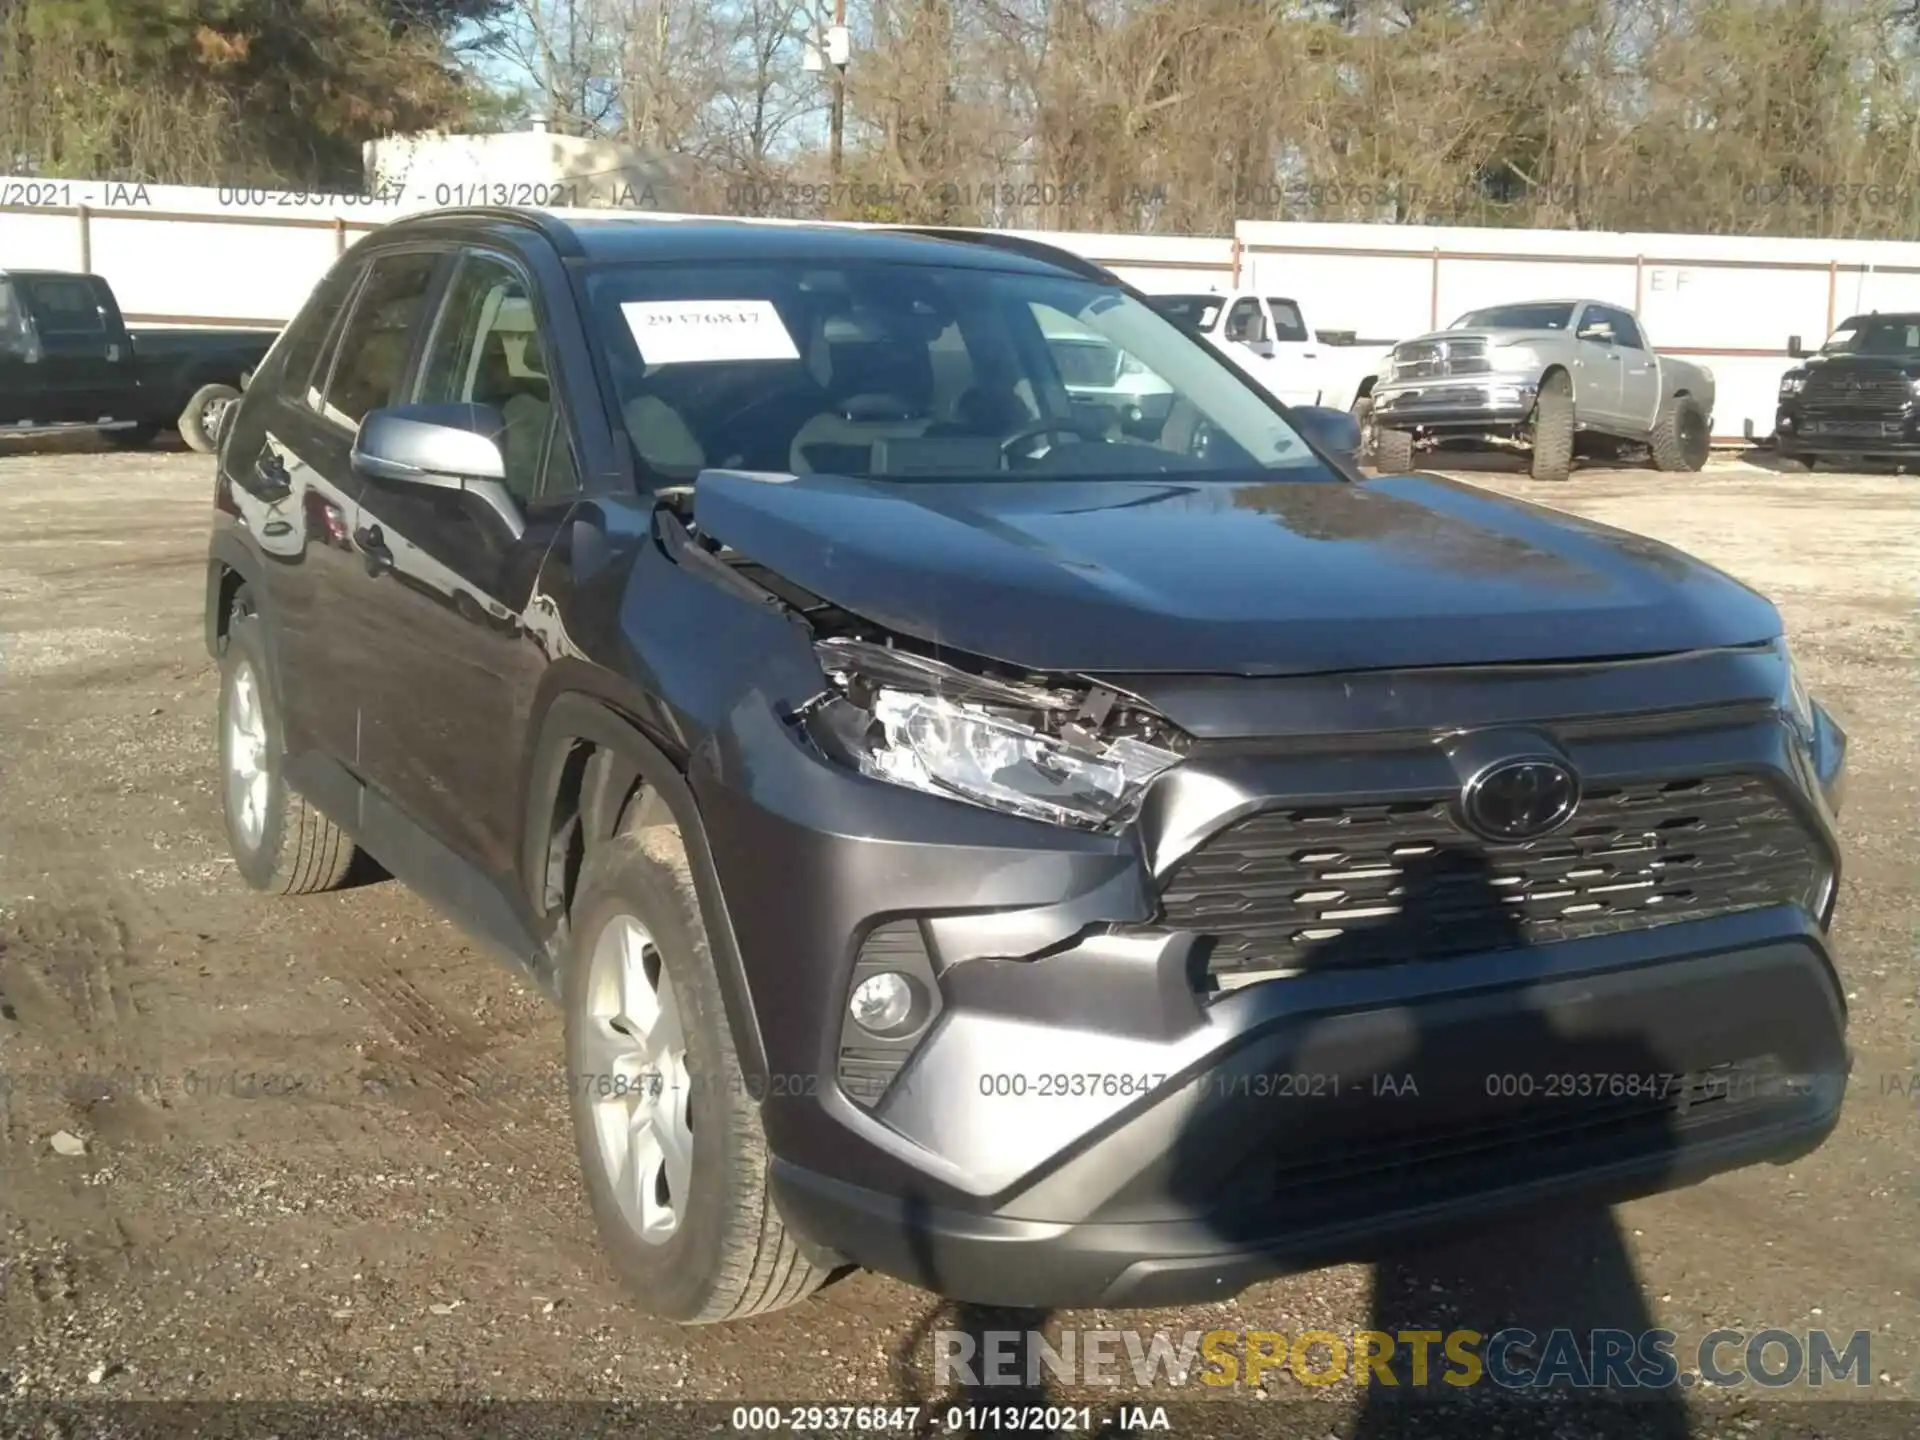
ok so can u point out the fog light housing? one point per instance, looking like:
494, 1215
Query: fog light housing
883, 1004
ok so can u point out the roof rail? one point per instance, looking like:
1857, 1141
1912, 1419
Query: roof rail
1018, 245
557, 231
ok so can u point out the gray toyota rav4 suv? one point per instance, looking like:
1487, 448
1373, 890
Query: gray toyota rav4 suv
1052, 856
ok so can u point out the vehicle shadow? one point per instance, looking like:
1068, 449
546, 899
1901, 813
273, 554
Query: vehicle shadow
1442, 1115
1447, 1114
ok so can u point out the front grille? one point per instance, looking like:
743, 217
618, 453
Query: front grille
1857, 389
1421, 359
1437, 1157
1085, 364
1313, 888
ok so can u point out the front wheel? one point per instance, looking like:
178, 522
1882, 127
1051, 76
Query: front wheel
1552, 457
1392, 451
1362, 413
670, 1142
200, 422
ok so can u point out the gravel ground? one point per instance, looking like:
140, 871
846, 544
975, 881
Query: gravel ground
321, 1155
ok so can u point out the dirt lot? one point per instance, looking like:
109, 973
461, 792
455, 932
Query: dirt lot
324, 1155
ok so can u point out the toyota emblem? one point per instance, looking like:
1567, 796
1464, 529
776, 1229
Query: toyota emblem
1520, 799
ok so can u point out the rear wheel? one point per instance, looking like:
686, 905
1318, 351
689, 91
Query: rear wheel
1392, 451
1552, 457
1680, 439
280, 843
670, 1142
200, 421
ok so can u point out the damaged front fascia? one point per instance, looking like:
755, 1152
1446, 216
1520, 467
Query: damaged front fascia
1081, 708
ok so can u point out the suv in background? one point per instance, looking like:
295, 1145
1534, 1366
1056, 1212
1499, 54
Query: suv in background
974, 842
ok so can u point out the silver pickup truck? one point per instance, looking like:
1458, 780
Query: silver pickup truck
1537, 376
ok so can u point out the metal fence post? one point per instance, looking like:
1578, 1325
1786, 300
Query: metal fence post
1433, 303
86, 240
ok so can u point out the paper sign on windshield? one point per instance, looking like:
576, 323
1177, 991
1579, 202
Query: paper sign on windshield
681, 332
1840, 336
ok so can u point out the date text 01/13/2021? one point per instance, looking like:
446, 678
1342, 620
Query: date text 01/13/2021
959, 1419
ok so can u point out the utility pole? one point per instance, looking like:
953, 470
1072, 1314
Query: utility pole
837, 125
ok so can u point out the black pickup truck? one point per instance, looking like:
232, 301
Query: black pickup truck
69, 362
1858, 397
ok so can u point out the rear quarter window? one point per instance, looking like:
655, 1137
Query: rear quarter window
65, 306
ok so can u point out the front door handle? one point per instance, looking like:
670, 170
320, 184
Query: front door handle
374, 548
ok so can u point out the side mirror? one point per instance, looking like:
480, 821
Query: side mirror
1329, 429
1795, 348
453, 446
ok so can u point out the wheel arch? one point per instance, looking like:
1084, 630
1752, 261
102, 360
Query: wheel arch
592, 767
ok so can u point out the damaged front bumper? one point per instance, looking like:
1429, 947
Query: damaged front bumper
1138, 1072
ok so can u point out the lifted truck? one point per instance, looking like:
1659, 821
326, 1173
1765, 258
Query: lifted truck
1539, 376
69, 362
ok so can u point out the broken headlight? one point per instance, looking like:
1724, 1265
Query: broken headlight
1796, 704
1023, 749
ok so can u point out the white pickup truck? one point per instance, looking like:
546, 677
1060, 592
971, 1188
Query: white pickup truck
1268, 337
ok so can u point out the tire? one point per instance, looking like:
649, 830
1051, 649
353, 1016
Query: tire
723, 1252
197, 420
286, 847
1552, 457
138, 438
1362, 412
1392, 451
1681, 436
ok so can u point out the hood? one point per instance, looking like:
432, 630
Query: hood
1490, 336
1272, 578
1907, 365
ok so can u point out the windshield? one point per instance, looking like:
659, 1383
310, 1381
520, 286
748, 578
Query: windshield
913, 372
1516, 317
1199, 311
1876, 335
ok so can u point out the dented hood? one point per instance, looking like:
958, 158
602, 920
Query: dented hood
1293, 577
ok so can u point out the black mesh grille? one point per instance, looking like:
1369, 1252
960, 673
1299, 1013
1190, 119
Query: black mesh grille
1858, 389
1366, 884
1082, 363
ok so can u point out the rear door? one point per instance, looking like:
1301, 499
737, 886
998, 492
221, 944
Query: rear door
19, 359
86, 365
451, 671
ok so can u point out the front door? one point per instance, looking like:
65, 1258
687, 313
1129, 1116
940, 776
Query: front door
1639, 373
19, 359
87, 372
1597, 361
453, 667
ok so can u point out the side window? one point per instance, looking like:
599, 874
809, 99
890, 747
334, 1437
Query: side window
1624, 330
1288, 323
307, 336
374, 346
15, 337
1245, 322
560, 475
487, 350
65, 306
1597, 327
